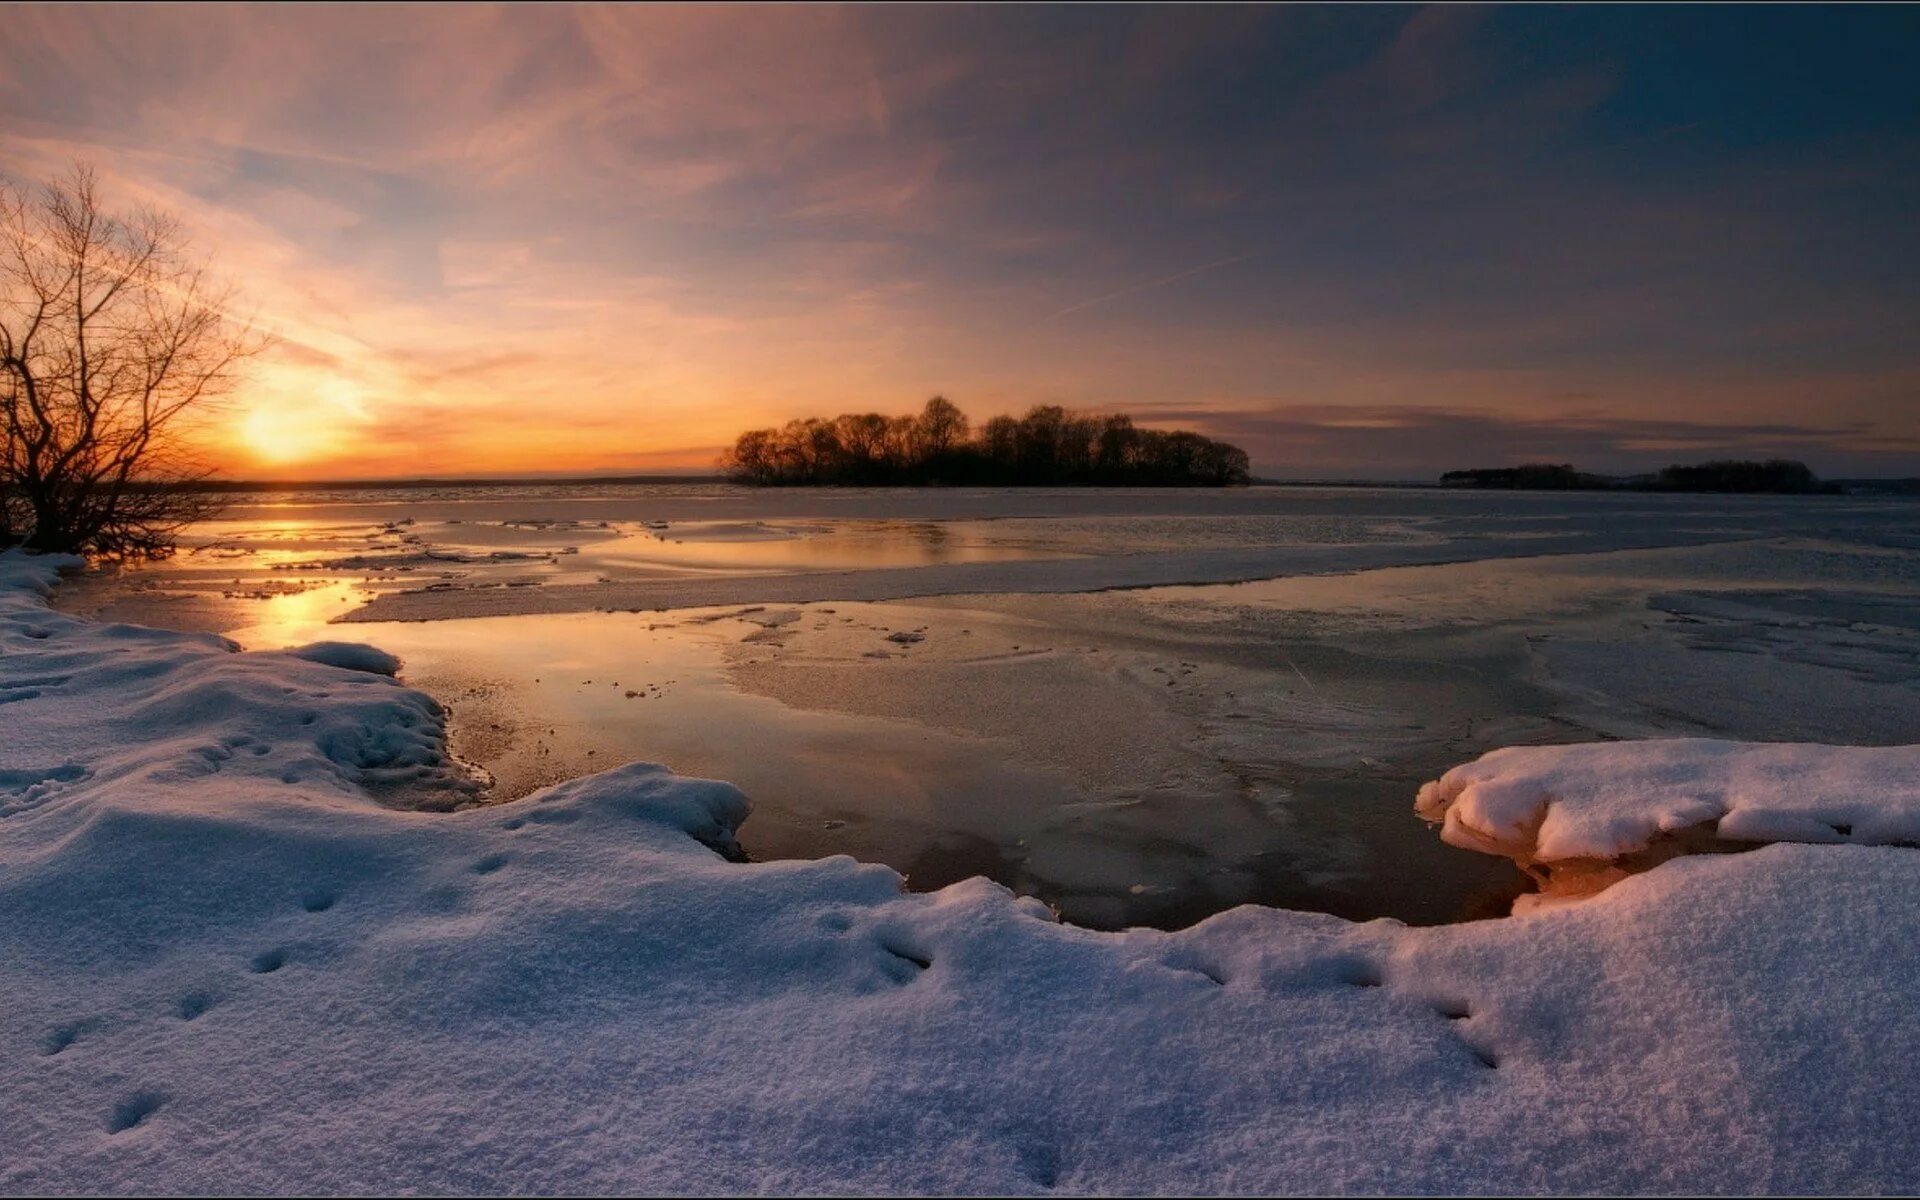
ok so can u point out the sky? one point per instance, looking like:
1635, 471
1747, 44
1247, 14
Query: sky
1359, 241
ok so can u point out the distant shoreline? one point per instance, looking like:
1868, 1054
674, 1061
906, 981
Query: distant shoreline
1880, 486
373, 485
1719, 477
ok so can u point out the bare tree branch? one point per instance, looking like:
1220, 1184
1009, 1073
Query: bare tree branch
109, 332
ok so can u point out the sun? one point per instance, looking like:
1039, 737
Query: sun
271, 435
299, 419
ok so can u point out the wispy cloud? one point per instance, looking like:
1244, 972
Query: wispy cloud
1152, 284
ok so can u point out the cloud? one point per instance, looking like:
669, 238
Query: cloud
600, 232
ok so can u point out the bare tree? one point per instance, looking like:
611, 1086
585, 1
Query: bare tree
109, 333
941, 427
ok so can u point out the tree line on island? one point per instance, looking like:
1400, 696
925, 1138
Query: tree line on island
1050, 445
1775, 475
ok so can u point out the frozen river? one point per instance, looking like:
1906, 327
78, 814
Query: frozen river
1142, 706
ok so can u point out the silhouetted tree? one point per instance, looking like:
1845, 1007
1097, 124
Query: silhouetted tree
1119, 445
109, 333
1039, 441
1000, 442
1729, 475
755, 458
941, 428
901, 447
1724, 475
863, 447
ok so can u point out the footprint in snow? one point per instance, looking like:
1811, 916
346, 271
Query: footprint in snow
134, 1111
1456, 1011
903, 964
58, 1040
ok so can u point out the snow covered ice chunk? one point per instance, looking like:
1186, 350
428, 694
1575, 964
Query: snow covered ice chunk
1603, 800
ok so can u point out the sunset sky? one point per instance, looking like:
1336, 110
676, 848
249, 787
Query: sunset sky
1359, 241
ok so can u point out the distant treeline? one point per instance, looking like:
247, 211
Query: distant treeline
1779, 475
1050, 445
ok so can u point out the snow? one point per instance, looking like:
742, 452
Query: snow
238, 957
1608, 799
349, 656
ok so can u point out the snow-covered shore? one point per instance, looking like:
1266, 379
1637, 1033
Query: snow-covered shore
234, 961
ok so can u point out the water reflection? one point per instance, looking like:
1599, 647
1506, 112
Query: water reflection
772, 545
296, 618
284, 555
1138, 823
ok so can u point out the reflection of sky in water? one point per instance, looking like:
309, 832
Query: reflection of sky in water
299, 617
474, 553
851, 545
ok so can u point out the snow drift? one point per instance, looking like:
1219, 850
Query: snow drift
237, 957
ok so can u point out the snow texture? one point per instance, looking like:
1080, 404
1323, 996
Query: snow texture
349, 656
1608, 799
232, 963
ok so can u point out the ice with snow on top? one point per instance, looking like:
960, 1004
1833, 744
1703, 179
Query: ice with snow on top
232, 963
349, 656
1607, 799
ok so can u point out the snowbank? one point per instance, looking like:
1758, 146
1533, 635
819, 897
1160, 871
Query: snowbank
349, 656
230, 967
1608, 799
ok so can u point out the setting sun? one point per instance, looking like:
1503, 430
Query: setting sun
272, 437
299, 420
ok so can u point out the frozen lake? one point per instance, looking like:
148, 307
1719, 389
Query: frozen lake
1142, 706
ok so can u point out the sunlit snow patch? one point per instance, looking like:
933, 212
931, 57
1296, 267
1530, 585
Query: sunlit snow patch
1581, 816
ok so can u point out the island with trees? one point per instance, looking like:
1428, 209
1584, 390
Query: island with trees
1779, 476
1048, 446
